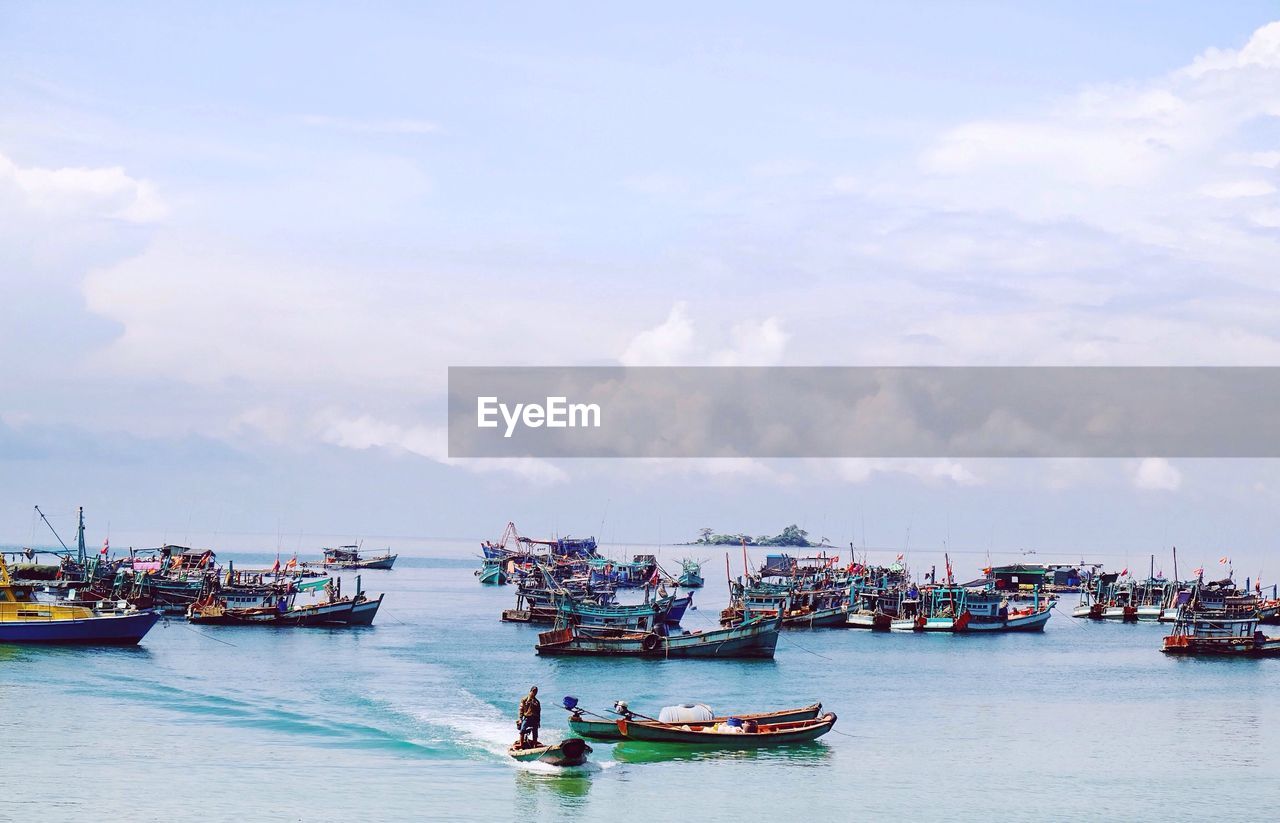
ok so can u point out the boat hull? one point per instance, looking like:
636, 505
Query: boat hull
363, 612
570, 752
878, 621
107, 630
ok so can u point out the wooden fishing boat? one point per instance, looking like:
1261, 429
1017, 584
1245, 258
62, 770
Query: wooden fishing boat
492, 573
605, 728
690, 574
755, 638
1221, 628
729, 734
572, 751
283, 609
25, 619
349, 557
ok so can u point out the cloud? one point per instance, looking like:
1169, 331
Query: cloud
676, 342
1157, 474
367, 432
76, 192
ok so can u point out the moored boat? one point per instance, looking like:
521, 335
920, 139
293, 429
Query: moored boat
26, 619
690, 574
349, 557
755, 638
1226, 627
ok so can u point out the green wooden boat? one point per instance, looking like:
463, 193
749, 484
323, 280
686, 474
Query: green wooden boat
569, 752
606, 729
718, 735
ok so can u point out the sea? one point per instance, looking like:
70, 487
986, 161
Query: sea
410, 719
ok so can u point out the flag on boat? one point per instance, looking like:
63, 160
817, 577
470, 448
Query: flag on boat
653, 579
275, 567
1224, 560
1125, 573
292, 564
106, 545
899, 558
1198, 572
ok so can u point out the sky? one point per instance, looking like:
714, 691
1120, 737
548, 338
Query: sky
240, 246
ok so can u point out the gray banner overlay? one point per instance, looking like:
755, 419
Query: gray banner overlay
864, 412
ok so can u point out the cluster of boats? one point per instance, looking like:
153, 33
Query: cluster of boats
96, 598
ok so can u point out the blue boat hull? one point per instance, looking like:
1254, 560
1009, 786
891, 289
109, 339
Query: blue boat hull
109, 630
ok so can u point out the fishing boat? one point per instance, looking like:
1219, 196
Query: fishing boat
349, 557
605, 728
572, 751
26, 619
1227, 628
282, 608
661, 611
491, 572
955, 609
735, 732
690, 574
754, 638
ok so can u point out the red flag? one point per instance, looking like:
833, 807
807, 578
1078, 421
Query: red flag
653, 580
106, 544
292, 564
1125, 573
275, 567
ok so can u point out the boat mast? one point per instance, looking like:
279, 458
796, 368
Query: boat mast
80, 536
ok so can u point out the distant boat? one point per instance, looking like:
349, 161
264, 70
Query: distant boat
25, 619
491, 572
690, 574
570, 752
755, 638
349, 557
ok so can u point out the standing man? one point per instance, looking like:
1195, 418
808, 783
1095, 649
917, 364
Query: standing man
530, 718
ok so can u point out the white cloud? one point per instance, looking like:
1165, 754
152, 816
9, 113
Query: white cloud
670, 343
676, 342
1157, 474
78, 193
367, 432
862, 469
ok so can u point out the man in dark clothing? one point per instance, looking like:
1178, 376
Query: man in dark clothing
530, 718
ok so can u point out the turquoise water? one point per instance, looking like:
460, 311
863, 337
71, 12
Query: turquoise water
409, 720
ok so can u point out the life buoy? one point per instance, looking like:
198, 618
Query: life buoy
651, 642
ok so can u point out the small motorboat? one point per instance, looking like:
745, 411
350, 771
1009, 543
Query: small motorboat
600, 727
572, 751
734, 733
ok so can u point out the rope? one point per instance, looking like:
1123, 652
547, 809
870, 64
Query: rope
802, 648
211, 637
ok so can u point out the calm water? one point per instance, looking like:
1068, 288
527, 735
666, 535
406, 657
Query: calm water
410, 719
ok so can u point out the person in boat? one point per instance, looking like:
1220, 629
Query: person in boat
529, 719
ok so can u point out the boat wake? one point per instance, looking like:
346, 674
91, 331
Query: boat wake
475, 725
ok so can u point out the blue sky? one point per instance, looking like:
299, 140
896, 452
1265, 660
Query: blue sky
239, 247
